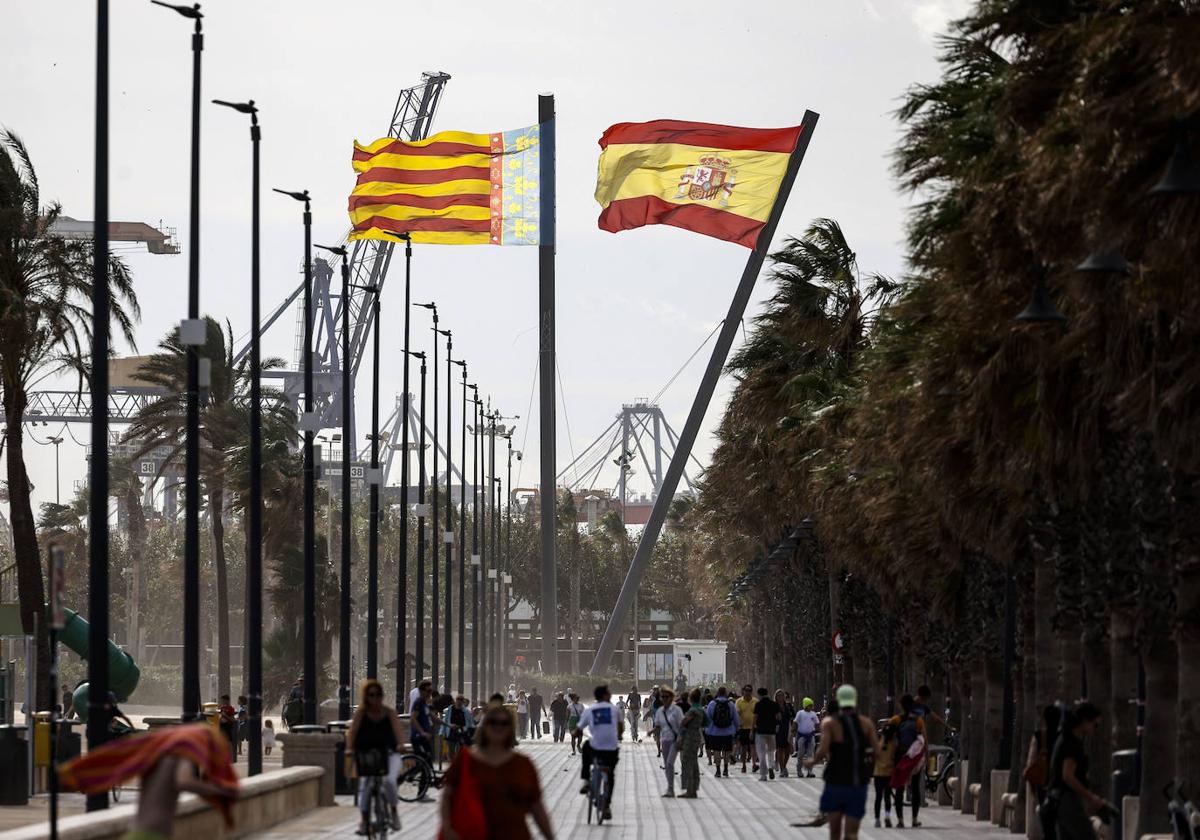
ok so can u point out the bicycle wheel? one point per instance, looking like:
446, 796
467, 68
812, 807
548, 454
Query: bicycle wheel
601, 798
383, 819
415, 778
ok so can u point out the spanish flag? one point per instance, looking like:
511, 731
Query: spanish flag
719, 180
453, 188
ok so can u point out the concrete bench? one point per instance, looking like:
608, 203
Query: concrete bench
948, 793
264, 800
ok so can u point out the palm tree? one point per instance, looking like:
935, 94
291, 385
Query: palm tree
224, 427
45, 329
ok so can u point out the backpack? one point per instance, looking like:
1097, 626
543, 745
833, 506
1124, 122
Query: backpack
722, 716
906, 735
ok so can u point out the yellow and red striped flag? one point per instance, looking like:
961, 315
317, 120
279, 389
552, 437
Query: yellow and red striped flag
453, 188
718, 180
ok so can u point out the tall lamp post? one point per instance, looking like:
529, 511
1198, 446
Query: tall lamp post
476, 557
57, 441
433, 609
308, 423
462, 541
419, 659
448, 532
192, 334
402, 583
347, 445
373, 479
98, 708
253, 653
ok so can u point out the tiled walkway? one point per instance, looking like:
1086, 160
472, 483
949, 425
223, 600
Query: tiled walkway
740, 806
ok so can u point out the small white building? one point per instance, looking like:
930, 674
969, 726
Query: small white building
701, 660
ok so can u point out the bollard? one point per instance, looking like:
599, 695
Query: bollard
1123, 784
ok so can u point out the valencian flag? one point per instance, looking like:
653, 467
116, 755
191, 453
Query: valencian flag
719, 180
453, 188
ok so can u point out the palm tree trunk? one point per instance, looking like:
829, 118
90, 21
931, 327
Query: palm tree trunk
1158, 738
1045, 680
30, 589
1099, 692
993, 673
216, 502
1123, 676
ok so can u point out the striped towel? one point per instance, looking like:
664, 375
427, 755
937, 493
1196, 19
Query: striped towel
133, 756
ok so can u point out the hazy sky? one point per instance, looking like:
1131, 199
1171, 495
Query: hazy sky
631, 307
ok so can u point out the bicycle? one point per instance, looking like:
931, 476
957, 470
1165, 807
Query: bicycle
373, 765
416, 777
599, 790
949, 767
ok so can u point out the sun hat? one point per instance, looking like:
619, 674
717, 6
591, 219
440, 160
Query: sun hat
847, 697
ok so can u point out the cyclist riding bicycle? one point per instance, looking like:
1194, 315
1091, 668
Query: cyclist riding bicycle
605, 729
421, 721
459, 726
375, 730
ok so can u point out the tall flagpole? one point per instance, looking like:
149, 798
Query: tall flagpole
687, 436
548, 368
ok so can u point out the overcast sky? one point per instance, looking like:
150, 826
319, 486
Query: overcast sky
631, 307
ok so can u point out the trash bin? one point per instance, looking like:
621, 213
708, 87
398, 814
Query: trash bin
343, 784
14, 757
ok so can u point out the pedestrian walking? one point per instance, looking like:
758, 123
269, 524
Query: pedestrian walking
849, 743
655, 703
805, 725
681, 682
1070, 800
885, 763
668, 728
622, 708
766, 724
522, 714
536, 704
692, 725
633, 710
910, 759
268, 736
490, 790
558, 717
574, 713
783, 731
745, 734
723, 725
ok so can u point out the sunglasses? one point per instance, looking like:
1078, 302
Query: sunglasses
504, 724
374, 693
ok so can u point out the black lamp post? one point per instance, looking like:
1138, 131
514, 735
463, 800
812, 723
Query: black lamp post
462, 540
347, 445
308, 424
419, 659
192, 334
373, 479
433, 610
402, 583
98, 708
253, 650
1041, 309
447, 540
476, 559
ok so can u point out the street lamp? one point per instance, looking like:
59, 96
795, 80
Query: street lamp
373, 480
56, 441
476, 556
420, 644
433, 629
402, 593
448, 533
462, 540
192, 334
347, 443
252, 653
308, 424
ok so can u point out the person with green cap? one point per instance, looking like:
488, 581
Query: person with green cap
849, 743
804, 730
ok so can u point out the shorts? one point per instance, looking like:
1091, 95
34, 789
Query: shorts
720, 743
745, 737
850, 800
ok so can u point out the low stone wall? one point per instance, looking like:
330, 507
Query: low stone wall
265, 800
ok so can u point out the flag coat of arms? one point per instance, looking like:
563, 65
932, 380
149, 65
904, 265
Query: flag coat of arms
718, 180
454, 188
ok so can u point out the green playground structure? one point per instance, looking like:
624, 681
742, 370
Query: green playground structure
123, 672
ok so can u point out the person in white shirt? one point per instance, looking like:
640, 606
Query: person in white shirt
668, 726
805, 726
414, 694
622, 710
605, 729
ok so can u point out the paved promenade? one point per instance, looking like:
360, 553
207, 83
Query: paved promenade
740, 806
